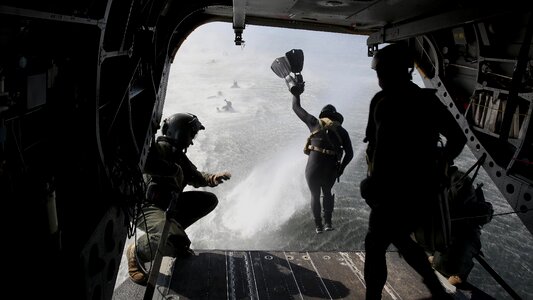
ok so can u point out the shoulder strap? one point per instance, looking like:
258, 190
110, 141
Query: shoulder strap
328, 124
323, 125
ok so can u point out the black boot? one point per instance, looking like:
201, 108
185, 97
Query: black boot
319, 228
327, 221
328, 211
328, 226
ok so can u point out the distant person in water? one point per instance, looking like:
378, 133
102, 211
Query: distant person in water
330, 150
227, 107
167, 171
404, 124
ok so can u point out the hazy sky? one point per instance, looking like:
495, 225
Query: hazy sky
337, 63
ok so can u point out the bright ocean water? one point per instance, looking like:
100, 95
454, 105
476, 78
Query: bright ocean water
265, 204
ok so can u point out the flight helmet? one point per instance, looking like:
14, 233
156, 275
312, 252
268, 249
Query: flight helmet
181, 128
394, 58
329, 111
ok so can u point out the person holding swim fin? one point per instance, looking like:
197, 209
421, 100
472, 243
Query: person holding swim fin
328, 147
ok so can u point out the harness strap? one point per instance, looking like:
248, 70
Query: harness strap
323, 151
478, 164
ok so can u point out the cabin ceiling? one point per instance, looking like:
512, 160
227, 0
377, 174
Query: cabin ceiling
402, 18
346, 15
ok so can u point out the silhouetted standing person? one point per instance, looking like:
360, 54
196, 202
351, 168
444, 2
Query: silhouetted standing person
404, 126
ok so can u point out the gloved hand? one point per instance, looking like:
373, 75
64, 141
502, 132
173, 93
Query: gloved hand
297, 85
368, 191
340, 170
219, 178
298, 89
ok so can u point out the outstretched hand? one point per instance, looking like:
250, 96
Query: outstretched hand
220, 177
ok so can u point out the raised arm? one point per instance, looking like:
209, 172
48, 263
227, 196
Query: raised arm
308, 119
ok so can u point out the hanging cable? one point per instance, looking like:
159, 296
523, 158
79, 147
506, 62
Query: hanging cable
494, 215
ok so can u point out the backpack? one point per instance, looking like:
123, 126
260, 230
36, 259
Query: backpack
459, 205
467, 203
468, 212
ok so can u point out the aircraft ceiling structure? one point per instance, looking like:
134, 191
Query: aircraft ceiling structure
83, 84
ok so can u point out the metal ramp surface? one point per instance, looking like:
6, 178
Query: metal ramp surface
218, 274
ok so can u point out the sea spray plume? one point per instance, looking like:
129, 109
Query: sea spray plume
268, 197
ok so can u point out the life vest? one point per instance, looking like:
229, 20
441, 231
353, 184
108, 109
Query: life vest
325, 125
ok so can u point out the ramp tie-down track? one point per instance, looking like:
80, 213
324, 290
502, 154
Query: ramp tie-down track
216, 274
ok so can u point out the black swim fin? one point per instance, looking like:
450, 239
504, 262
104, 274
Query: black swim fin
296, 60
281, 67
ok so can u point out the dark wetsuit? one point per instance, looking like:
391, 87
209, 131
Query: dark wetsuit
322, 170
403, 131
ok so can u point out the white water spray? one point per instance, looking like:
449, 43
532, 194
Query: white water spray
269, 196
